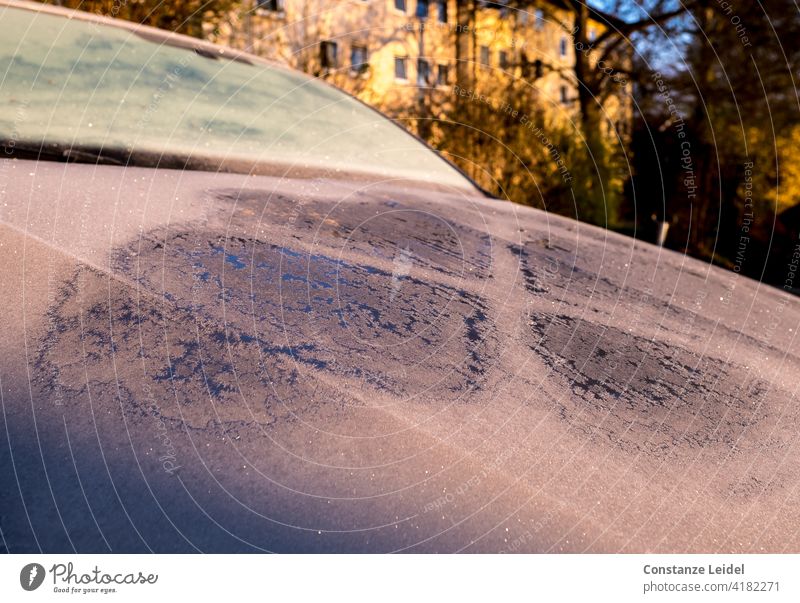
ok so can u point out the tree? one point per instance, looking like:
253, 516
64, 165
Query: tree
726, 141
600, 72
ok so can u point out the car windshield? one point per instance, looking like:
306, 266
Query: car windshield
73, 84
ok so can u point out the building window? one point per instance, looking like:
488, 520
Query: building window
328, 54
539, 17
441, 11
563, 93
400, 71
270, 5
423, 73
442, 75
592, 34
531, 70
400, 5
562, 47
538, 69
358, 59
484, 55
422, 9
502, 59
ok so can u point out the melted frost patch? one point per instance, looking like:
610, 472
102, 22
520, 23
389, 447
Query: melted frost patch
221, 333
644, 394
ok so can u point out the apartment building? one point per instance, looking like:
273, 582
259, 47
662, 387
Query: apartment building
393, 53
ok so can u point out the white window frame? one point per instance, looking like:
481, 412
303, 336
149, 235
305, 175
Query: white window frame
362, 68
405, 68
426, 83
538, 19
280, 9
439, 4
335, 45
488, 61
446, 67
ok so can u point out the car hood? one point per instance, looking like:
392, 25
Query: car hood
219, 362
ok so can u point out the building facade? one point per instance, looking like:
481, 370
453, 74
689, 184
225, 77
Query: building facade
395, 53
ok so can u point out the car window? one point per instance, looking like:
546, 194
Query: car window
79, 83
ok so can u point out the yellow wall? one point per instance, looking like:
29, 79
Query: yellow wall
292, 36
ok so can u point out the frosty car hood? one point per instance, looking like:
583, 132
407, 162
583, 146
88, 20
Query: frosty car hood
216, 362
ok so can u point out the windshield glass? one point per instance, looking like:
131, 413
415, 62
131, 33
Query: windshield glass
72, 84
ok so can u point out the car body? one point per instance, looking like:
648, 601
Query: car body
209, 352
